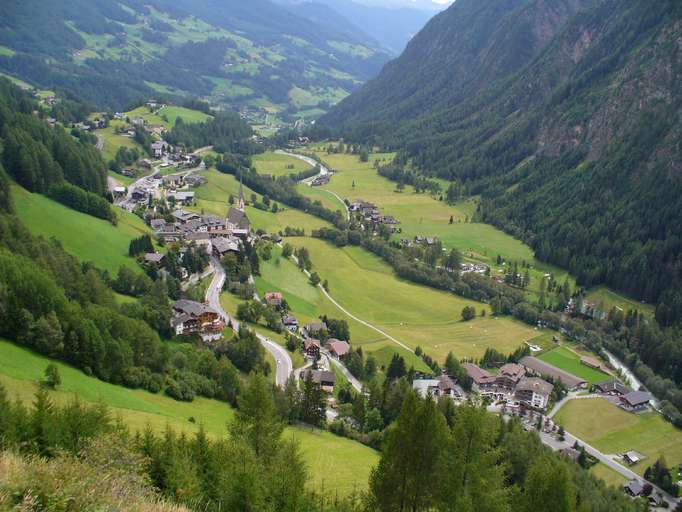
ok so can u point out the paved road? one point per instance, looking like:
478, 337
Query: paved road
346, 372
100, 142
112, 183
284, 365
323, 170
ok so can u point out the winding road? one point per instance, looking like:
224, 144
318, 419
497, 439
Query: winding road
323, 171
284, 365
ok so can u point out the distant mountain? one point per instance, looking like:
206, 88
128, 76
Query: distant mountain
565, 115
391, 26
228, 51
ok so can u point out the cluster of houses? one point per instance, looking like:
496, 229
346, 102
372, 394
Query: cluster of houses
419, 240
370, 213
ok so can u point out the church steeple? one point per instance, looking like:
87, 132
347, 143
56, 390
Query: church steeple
240, 200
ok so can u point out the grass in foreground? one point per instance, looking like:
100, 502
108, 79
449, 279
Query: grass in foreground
84, 236
613, 430
341, 464
567, 360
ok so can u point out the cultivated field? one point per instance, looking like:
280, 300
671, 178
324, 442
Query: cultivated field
612, 430
567, 360
341, 464
84, 236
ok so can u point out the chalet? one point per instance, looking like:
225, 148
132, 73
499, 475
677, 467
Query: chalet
184, 217
534, 392
129, 173
195, 180
146, 163
314, 329
140, 194
509, 376
174, 180
273, 299
635, 401
311, 347
612, 387
157, 224
137, 121
290, 323
191, 317
170, 233
222, 246
212, 224
154, 258
538, 367
634, 488
184, 198
338, 348
199, 239
325, 379
238, 221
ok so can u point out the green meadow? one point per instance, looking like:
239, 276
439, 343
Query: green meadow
415, 315
113, 141
277, 164
607, 299
84, 236
567, 360
341, 465
166, 116
612, 430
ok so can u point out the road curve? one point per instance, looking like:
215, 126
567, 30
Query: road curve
284, 366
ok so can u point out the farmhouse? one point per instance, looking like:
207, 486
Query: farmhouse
338, 348
325, 379
634, 488
311, 347
155, 258
635, 401
191, 317
612, 387
184, 198
160, 148
273, 299
540, 368
534, 392
174, 180
290, 323
314, 329
183, 217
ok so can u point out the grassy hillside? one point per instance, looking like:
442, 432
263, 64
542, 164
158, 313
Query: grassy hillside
84, 236
278, 165
338, 463
612, 430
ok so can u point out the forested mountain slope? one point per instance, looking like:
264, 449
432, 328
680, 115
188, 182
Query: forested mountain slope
574, 146
238, 53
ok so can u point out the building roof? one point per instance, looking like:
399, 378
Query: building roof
611, 385
536, 385
273, 296
223, 245
192, 308
157, 224
540, 367
634, 487
478, 375
311, 342
154, 257
320, 376
338, 347
238, 219
513, 371
635, 398
289, 320
423, 386
184, 216
315, 326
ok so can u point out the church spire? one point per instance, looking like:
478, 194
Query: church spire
240, 201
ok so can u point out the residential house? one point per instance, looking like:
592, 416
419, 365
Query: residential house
632, 457
290, 323
324, 378
199, 238
314, 329
441, 386
184, 198
140, 194
612, 387
635, 401
338, 348
157, 224
155, 258
534, 392
273, 299
183, 217
540, 368
311, 347
191, 317
634, 488
137, 121
222, 246
174, 180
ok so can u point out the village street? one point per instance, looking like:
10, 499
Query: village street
284, 366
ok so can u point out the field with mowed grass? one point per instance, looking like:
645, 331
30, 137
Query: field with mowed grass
167, 115
341, 464
213, 198
425, 215
608, 475
606, 299
277, 164
326, 197
612, 430
416, 315
567, 360
84, 236
113, 141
